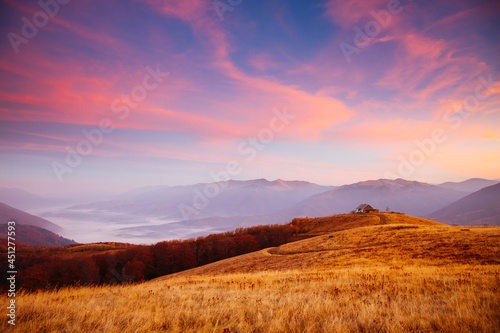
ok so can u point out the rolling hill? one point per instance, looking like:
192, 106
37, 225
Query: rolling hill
354, 239
479, 208
354, 273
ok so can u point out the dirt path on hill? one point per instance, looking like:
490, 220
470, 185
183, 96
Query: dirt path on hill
271, 251
383, 218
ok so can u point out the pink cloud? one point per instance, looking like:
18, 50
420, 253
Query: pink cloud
262, 62
188, 11
347, 13
376, 130
179, 121
27, 146
314, 112
68, 92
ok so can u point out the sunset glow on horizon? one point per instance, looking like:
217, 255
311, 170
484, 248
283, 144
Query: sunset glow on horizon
114, 95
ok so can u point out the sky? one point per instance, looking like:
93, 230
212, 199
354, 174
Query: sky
111, 95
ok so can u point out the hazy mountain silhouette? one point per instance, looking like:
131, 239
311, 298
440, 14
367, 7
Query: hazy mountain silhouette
478, 208
400, 195
8, 213
154, 212
22, 199
411, 197
234, 198
470, 185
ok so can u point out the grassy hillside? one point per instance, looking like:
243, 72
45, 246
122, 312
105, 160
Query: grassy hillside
396, 243
367, 273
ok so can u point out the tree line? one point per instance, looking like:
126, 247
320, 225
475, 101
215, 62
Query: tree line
110, 263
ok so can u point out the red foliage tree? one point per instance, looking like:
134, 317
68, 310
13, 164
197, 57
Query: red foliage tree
243, 244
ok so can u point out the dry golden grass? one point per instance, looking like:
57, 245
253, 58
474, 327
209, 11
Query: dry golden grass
398, 241
387, 274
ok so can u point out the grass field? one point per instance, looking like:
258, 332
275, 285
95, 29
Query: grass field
370, 273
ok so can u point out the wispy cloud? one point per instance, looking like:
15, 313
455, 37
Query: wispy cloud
227, 76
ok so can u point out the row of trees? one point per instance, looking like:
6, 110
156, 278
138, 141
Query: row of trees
60, 267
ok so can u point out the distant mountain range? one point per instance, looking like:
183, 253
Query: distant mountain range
470, 185
22, 199
233, 198
479, 208
26, 201
410, 197
155, 213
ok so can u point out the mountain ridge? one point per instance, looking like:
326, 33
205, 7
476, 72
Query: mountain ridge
145, 214
470, 185
412, 197
8, 213
478, 208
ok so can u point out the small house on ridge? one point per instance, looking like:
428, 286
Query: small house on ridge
365, 208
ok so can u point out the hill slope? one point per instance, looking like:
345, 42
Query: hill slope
31, 235
360, 273
8, 213
352, 239
479, 208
